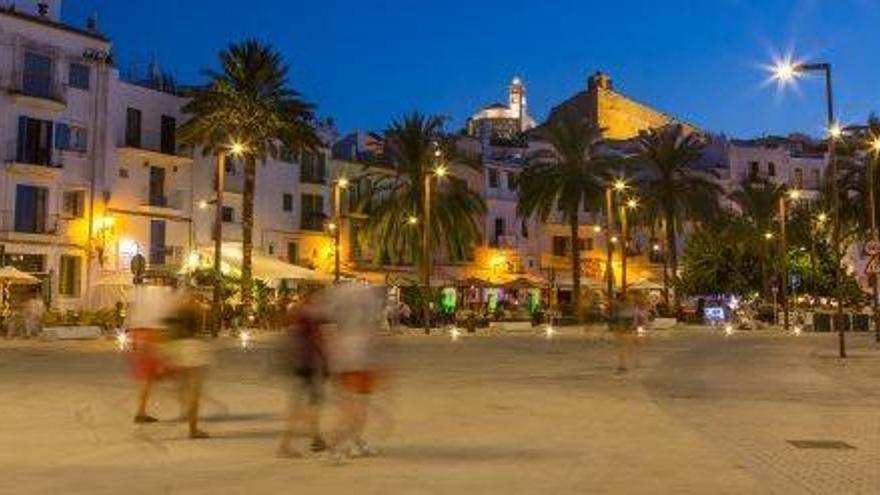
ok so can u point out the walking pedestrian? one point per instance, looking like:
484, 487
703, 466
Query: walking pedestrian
306, 353
145, 324
624, 324
357, 312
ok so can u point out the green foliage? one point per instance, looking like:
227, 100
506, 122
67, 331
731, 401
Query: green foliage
249, 101
393, 198
720, 260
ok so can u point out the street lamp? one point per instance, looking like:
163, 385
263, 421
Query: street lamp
630, 204
872, 209
336, 226
235, 148
439, 171
793, 195
786, 71
617, 186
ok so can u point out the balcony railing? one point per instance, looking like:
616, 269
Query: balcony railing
310, 178
50, 157
149, 141
33, 86
174, 200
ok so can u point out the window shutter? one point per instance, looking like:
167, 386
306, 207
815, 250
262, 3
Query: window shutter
22, 137
62, 136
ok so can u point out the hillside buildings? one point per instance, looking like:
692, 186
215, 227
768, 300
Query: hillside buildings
93, 176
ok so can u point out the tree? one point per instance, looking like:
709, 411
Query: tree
758, 203
566, 177
672, 185
249, 101
718, 259
394, 203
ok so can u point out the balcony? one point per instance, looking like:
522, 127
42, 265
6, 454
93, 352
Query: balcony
172, 257
174, 203
45, 163
54, 228
505, 242
38, 92
307, 178
149, 147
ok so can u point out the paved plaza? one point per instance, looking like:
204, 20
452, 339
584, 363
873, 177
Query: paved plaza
517, 414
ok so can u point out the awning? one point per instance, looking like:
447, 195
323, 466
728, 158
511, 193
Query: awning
646, 285
263, 267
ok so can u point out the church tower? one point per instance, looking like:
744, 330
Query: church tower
517, 101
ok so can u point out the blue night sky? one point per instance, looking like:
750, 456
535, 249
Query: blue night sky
365, 63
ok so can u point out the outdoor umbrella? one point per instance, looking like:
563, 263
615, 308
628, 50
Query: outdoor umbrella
9, 275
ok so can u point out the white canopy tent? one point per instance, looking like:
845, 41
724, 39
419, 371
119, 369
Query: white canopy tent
264, 267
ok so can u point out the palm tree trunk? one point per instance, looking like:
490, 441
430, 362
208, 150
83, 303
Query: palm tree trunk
672, 255
247, 234
665, 269
575, 268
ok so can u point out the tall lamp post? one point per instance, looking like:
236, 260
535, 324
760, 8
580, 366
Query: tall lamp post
786, 71
617, 186
338, 186
630, 204
236, 149
872, 209
783, 251
439, 171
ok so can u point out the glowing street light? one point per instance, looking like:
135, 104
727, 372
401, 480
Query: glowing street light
835, 131
441, 171
619, 185
203, 204
237, 148
412, 220
768, 235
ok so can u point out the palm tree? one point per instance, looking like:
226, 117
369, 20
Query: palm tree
567, 177
758, 203
671, 184
249, 100
394, 203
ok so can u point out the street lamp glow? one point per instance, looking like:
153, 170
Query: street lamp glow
331, 226
822, 217
619, 185
795, 194
237, 148
875, 144
441, 171
768, 235
835, 131
342, 182
412, 220
656, 247
614, 240
597, 229
632, 204
203, 204
785, 70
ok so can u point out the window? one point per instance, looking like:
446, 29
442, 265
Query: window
771, 169
292, 253
30, 263
31, 208
74, 204
71, 137
168, 139
312, 212
69, 268
817, 178
230, 166
512, 181
38, 75
287, 202
754, 169
123, 173
798, 178
314, 168
34, 141
157, 187
133, 128
286, 155
78, 76
560, 245
271, 249
524, 229
493, 178
587, 244
228, 214
499, 229
157, 242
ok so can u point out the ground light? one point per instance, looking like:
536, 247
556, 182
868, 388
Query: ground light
549, 332
244, 339
728, 330
797, 330
454, 334
122, 342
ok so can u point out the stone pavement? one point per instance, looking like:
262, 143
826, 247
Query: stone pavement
502, 414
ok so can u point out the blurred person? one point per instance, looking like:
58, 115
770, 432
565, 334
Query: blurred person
625, 319
149, 305
357, 311
189, 357
33, 312
306, 352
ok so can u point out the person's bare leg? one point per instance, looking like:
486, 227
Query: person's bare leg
144, 397
195, 378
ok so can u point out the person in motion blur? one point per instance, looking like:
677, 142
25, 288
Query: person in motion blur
357, 310
148, 307
306, 353
189, 356
625, 320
